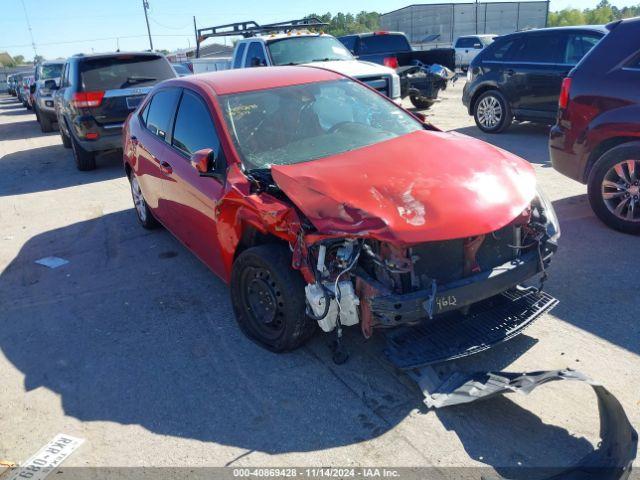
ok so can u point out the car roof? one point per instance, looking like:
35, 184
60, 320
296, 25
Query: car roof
252, 79
270, 37
379, 33
81, 56
577, 28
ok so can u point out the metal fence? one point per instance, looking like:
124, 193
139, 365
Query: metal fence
450, 20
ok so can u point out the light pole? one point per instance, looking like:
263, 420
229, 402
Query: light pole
145, 6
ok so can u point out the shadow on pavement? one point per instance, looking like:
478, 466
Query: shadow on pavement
135, 330
590, 276
52, 167
522, 139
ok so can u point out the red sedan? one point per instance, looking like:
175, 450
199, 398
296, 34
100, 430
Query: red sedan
323, 203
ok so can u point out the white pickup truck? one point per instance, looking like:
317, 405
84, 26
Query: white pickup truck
318, 49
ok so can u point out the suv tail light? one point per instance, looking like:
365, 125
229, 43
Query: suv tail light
87, 99
391, 62
563, 102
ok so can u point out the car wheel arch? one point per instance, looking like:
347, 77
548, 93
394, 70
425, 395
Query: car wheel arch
606, 146
478, 93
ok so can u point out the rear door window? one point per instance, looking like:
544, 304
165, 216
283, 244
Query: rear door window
383, 44
578, 45
465, 42
237, 61
124, 71
194, 129
504, 50
255, 56
160, 112
547, 49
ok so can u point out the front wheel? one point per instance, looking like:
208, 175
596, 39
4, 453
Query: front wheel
492, 112
420, 102
614, 188
269, 300
46, 125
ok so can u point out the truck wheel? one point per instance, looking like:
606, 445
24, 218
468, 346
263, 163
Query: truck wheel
85, 160
421, 103
492, 112
46, 125
268, 299
145, 217
614, 188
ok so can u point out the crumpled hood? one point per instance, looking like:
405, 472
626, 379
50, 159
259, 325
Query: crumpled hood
425, 186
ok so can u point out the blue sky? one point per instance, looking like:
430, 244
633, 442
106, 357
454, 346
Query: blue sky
72, 26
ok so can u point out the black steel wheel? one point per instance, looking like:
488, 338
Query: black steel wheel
268, 298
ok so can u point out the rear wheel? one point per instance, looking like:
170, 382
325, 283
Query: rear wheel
85, 160
614, 188
145, 217
420, 102
492, 112
268, 298
66, 141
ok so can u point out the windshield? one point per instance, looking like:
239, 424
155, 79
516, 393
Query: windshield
51, 70
305, 49
289, 125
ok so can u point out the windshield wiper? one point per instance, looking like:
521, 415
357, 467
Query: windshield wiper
134, 80
327, 59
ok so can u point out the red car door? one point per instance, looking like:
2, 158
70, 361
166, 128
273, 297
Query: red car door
192, 199
152, 146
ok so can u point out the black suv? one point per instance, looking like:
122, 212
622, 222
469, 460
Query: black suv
97, 93
520, 75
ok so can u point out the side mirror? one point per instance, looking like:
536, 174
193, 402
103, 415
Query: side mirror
50, 85
257, 62
477, 46
204, 161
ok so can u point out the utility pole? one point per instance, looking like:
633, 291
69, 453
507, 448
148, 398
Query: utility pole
195, 29
145, 5
33, 43
477, 16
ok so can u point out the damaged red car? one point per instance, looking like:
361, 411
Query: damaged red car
322, 203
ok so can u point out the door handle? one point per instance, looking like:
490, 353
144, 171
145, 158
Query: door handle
165, 167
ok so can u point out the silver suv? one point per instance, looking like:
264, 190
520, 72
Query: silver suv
47, 81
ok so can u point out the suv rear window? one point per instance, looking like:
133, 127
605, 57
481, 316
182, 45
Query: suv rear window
124, 71
383, 44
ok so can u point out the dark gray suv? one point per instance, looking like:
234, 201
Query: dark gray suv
96, 95
519, 76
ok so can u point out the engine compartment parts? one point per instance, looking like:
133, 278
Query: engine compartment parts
342, 301
613, 458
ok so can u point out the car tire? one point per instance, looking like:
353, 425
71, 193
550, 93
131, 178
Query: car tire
268, 299
85, 160
492, 112
143, 212
46, 125
614, 188
66, 141
421, 103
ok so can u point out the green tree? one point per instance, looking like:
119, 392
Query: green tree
18, 59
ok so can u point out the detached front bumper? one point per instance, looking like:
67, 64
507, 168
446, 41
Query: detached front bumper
393, 310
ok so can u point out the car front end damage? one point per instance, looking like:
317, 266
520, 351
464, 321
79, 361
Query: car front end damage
380, 285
